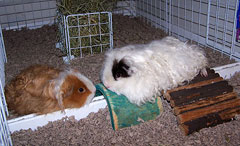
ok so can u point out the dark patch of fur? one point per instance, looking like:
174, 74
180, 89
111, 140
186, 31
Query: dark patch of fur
120, 69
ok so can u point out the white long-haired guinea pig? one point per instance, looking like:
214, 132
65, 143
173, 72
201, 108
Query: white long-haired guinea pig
43, 89
141, 72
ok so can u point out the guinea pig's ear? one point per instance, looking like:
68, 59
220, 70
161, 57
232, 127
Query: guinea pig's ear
121, 69
126, 65
59, 98
128, 61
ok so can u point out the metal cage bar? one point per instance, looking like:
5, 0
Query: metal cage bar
5, 133
201, 21
101, 34
221, 27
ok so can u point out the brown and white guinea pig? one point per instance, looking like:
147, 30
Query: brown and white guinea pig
141, 72
43, 89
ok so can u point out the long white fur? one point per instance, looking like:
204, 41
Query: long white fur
158, 66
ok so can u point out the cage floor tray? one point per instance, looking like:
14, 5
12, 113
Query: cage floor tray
203, 102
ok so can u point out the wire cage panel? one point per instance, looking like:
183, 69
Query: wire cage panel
187, 19
154, 12
207, 22
16, 14
88, 33
3, 58
221, 30
5, 134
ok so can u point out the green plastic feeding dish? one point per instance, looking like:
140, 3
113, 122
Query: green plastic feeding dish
125, 114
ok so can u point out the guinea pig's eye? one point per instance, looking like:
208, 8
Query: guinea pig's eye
81, 90
118, 75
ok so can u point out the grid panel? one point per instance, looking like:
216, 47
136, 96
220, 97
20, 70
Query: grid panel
3, 58
221, 31
154, 12
87, 33
5, 134
195, 20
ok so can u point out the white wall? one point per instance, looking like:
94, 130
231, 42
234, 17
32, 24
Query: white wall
15, 14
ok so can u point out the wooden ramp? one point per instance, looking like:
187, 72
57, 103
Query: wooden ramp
204, 102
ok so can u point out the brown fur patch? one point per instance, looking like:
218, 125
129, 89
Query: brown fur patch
72, 97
